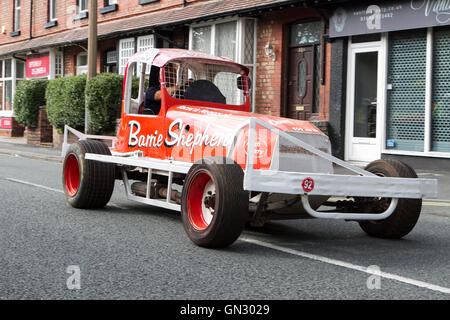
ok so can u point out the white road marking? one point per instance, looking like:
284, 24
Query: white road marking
34, 185
335, 262
348, 265
53, 189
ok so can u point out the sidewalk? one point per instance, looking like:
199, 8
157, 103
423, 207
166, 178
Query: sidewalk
19, 147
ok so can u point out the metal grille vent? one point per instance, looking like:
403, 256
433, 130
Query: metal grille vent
406, 100
441, 91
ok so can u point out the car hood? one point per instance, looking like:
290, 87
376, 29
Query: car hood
229, 120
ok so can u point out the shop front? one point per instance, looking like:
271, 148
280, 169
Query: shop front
397, 99
45, 65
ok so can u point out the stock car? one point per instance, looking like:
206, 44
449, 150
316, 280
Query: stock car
205, 154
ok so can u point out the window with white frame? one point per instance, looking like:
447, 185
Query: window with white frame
82, 63
16, 15
52, 10
126, 50
233, 38
11, 72
145, 43
82, 5
110, 2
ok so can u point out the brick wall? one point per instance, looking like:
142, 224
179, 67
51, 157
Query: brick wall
65, 11
43, 132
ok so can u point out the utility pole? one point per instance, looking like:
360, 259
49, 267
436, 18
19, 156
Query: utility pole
92, 51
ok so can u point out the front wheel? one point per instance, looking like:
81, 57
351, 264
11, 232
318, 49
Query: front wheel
405, 216
214, 205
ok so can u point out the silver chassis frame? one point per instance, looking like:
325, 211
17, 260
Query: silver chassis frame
364, 184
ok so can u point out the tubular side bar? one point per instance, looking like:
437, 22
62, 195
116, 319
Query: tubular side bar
82, 136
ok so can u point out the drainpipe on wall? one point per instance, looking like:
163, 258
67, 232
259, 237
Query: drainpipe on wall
31, 19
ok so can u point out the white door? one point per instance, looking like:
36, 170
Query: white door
365, 102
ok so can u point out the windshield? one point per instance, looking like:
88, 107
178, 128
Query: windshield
207, 81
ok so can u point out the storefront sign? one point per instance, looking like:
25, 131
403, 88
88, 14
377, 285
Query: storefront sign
388, 16
38, 67
5, 123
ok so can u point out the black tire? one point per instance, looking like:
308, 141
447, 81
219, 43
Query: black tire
229, 203
87, 184
405, 217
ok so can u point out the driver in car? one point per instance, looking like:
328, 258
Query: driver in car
152, 100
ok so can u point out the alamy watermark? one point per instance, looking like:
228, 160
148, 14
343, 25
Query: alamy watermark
74, 280
374, 280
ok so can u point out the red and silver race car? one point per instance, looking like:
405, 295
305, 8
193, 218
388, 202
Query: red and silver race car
205, 153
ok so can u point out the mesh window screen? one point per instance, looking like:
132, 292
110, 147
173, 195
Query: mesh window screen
406, 100
441, 91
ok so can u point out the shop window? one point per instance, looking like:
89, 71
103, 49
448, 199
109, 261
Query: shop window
440, 114
82, 63
126, 50
406, 100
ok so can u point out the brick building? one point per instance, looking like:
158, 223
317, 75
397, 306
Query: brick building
282, 42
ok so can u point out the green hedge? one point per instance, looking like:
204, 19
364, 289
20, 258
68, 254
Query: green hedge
29, 96
67, 98
66, 102
104, 97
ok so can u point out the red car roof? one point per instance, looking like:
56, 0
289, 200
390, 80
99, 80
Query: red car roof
160, 57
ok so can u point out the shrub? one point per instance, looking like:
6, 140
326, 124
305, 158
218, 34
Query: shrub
29, 96
66, 102
104, 101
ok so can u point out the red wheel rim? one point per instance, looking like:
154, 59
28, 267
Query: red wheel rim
72, 175
201, 200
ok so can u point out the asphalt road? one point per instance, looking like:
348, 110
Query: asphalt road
132, 251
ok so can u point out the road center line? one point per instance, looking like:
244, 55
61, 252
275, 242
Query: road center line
348, 265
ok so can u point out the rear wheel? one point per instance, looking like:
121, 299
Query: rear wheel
87, 183
405, 216
214, 205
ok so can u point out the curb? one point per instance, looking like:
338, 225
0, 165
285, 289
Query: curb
30, 155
